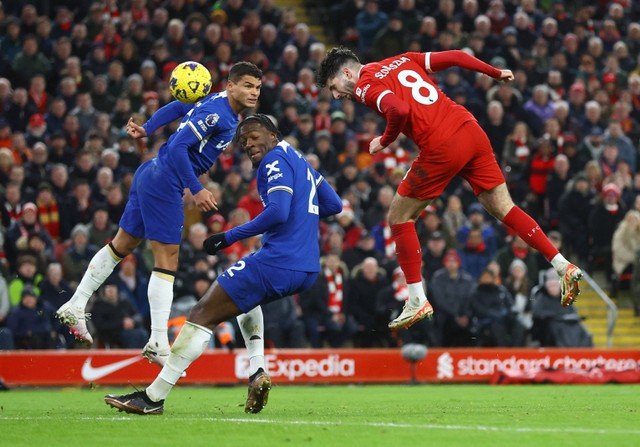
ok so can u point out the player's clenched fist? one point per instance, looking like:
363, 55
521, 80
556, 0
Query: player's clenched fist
505, 76
213, 244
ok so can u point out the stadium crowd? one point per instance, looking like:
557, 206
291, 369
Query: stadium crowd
566, 133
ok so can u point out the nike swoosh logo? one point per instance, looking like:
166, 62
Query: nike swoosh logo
89, 373
150, 410
218, 244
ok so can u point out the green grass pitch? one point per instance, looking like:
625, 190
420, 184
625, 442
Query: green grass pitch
371, 415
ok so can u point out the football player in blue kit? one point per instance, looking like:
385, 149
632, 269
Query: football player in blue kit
295, 198
155, 210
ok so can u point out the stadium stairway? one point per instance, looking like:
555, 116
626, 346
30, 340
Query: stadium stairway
302, 13
626, 334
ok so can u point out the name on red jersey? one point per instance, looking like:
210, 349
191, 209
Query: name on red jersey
386, 69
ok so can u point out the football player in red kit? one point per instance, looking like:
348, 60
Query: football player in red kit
451, 143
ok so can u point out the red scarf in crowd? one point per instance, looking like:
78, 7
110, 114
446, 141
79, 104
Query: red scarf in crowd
400, 289
15, 213
310, 93
334, 282
389, 245
49, 218
321, 122
392, 159
40, 100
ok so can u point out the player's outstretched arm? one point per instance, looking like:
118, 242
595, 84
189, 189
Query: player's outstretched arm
275, 213
214, 243
442, 60
166, 114
329, 202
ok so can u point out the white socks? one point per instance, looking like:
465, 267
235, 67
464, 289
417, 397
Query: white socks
100, 267
416, 294
252, 328
190, 344
160, 292
559, 263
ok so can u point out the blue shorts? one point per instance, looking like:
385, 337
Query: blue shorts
154, 210
249, 282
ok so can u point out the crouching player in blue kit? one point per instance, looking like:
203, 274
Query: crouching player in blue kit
155, 210
295, 198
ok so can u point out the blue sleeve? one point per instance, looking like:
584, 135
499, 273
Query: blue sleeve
178, 155
275, 213
166, 114
329, 201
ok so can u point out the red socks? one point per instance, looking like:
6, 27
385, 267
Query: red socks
529, 230
408, 250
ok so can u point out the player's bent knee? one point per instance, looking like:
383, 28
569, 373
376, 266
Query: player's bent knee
405, 209
124, 243
215, 307
166, 255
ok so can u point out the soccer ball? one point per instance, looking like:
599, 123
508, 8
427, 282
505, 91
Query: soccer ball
190, 82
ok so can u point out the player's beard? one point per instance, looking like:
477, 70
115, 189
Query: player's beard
351, 86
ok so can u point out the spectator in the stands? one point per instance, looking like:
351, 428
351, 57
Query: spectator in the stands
282, 327
289, 64
117, 323
556, 186
11, 204
77, 256
604, 217
517, 249
31, 322
350, 225
449, 293
494, 322
366, 280
625, 248
326, 153
30, 61
26, 276
18, 232
322, 306
101, 229
553, 324
369, 21
573, 213
364, 248
433, 255
133, 285
476, 220
474, 253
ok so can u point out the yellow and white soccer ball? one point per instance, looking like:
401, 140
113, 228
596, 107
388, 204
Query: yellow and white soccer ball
190, 82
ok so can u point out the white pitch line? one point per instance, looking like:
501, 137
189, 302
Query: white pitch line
483, 428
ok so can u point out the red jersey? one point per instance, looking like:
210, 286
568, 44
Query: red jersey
433, 117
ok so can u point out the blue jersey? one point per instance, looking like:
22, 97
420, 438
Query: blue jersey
295, 198
293, 243
206, 130
155, 210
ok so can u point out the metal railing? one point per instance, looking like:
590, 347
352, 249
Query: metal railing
612, 309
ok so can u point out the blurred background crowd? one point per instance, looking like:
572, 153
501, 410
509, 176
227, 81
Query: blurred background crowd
566, 133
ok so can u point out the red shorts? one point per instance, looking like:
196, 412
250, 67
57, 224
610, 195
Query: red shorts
467, 153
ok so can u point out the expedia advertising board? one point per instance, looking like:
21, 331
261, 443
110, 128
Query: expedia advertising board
79, 367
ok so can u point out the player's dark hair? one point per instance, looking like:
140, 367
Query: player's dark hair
333, 62
241, 69
261, 119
